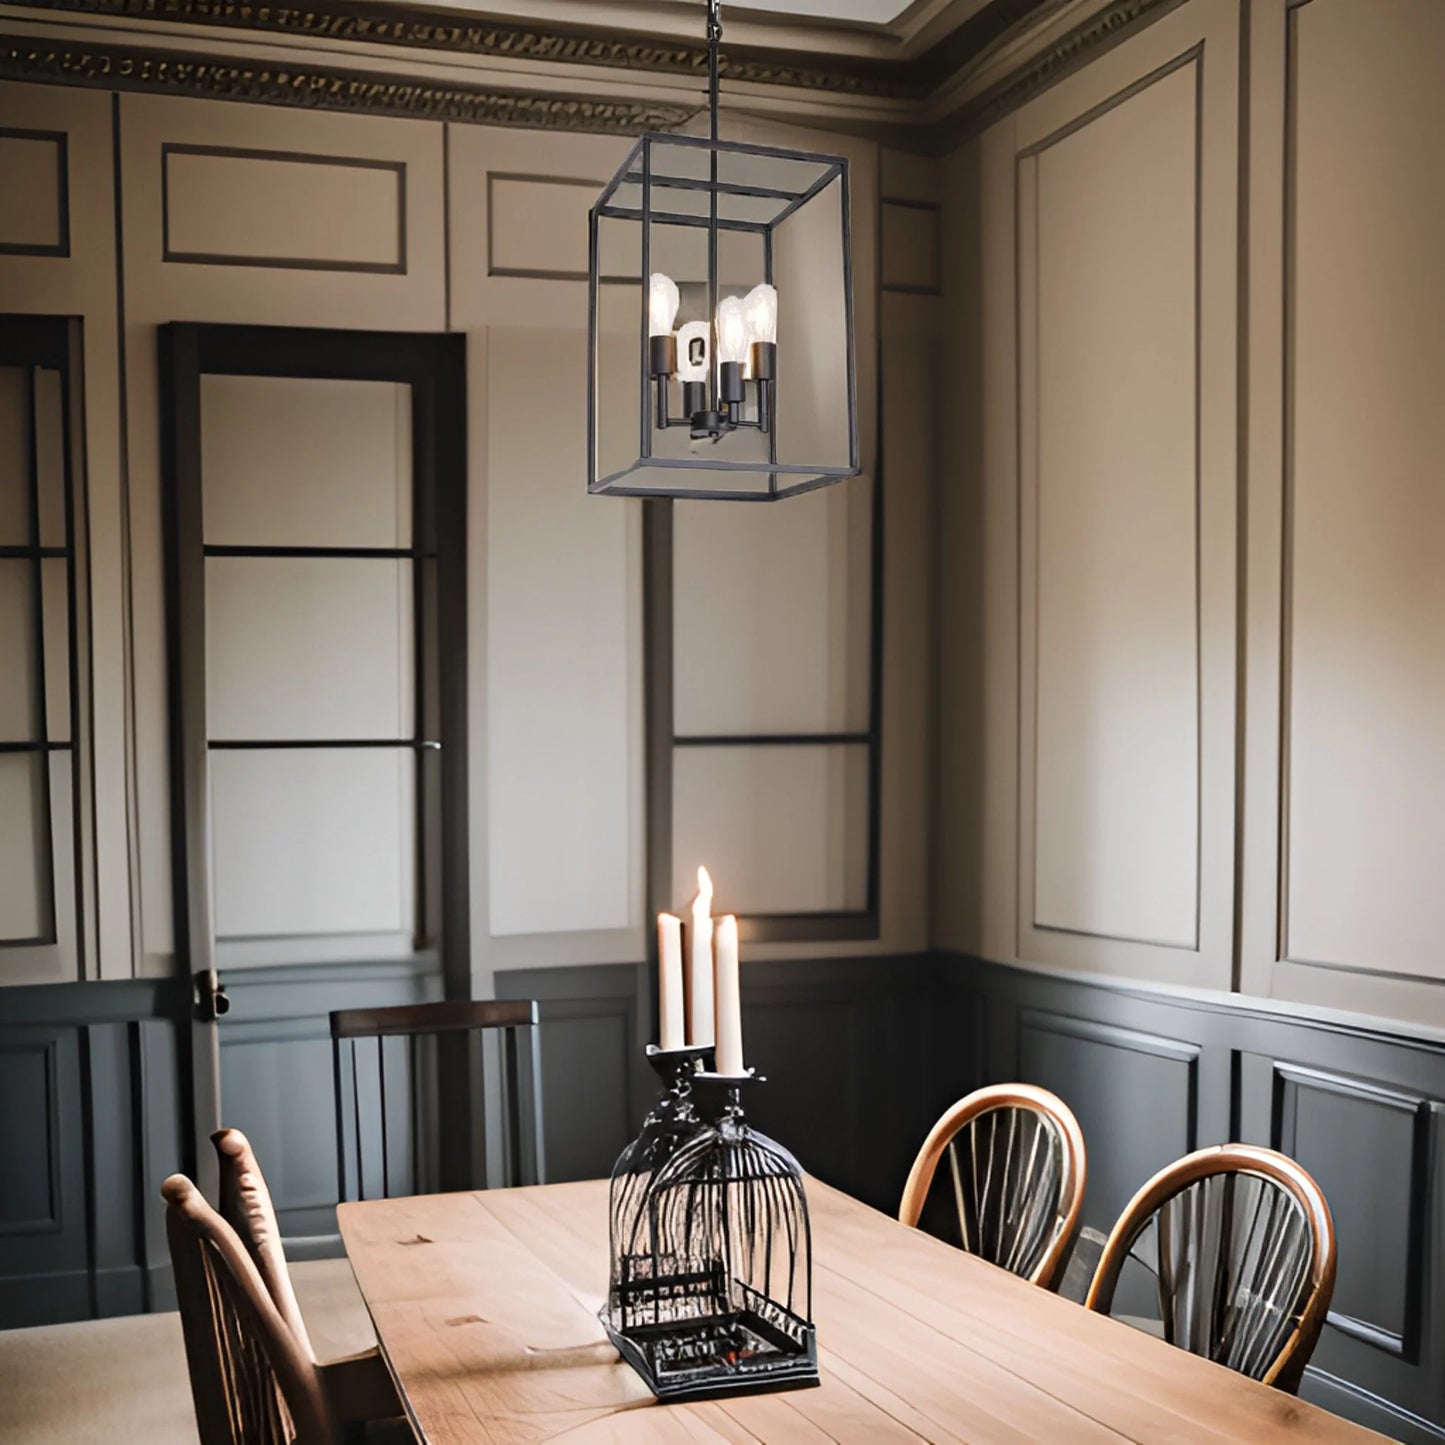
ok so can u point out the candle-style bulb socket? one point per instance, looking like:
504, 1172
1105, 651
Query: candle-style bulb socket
730, 383
694, 397
662, 354
708, 426
763, 360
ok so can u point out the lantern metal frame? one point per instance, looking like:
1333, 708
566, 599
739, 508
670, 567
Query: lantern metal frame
721, 409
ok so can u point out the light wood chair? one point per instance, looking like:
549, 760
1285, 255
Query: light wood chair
1019, 1185
244, 1352
252, 1383
1241, 1248
359, 1382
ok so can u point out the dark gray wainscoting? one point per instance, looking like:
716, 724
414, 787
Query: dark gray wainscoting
1152, 1076
89, 1079
277, 1083
845, 1044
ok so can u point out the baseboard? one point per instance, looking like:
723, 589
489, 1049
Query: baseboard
1342, 1398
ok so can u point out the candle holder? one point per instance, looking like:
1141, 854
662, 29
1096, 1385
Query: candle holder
711, 1280
668, 1125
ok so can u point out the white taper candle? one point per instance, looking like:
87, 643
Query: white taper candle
729, 1055
699, 971
671, 1031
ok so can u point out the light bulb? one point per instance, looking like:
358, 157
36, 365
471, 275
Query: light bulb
732, 331
662, 300
693, 343
760, 308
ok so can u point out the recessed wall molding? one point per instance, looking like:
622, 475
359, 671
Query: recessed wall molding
43, 1173
237, 171
18, 146
1292, 1086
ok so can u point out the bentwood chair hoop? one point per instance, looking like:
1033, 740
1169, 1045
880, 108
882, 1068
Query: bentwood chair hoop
1053, 1117
1308, 1312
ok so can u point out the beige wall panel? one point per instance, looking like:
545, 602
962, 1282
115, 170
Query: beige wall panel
1365, 582
771, 615
780, 829
537, 225
24, 858
1116, 769
312, 842
974, 767
83, 284
309, 648
158, 291
305, 462
15, 519
37, 873
910, 234
1116, 635
272, 208
561, 710
904, 815
906, 176
33, 198
518, 205
542, 518
19, 705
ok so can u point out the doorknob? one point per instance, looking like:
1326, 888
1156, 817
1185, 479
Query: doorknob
210, 996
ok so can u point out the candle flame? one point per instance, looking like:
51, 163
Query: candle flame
704, 885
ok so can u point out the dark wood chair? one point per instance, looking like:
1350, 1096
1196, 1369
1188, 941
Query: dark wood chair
399, 1074
252, 1380
1018, 1167
1237, 1248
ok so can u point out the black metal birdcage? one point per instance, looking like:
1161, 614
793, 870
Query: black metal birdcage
711, 1284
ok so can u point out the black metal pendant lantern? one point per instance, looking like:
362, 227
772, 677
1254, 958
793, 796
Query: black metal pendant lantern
753, 397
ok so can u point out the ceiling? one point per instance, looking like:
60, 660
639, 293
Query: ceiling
865, 12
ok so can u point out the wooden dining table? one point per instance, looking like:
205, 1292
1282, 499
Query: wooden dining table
485, 1306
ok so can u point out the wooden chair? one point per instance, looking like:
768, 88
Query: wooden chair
1018, 1189
1241, 1248
360, 1383
246, 1206
253, 1381
395, 1067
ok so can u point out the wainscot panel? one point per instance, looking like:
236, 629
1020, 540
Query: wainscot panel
86, 1071
1153, 1074
277, 1084
845, 1044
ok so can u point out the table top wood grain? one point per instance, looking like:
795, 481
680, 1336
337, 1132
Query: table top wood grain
486, 1308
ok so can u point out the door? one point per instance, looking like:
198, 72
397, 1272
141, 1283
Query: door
315, 505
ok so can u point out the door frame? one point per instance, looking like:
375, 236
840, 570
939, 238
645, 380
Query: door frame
433, 365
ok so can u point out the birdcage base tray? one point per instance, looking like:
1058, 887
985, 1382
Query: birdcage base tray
699, 1360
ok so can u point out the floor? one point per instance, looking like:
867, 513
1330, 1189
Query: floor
124, 1380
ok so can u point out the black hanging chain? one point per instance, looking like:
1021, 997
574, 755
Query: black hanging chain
714, 36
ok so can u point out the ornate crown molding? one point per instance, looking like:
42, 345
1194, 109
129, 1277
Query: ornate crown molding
950, 114
1068, 53
460, 33
129, 67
